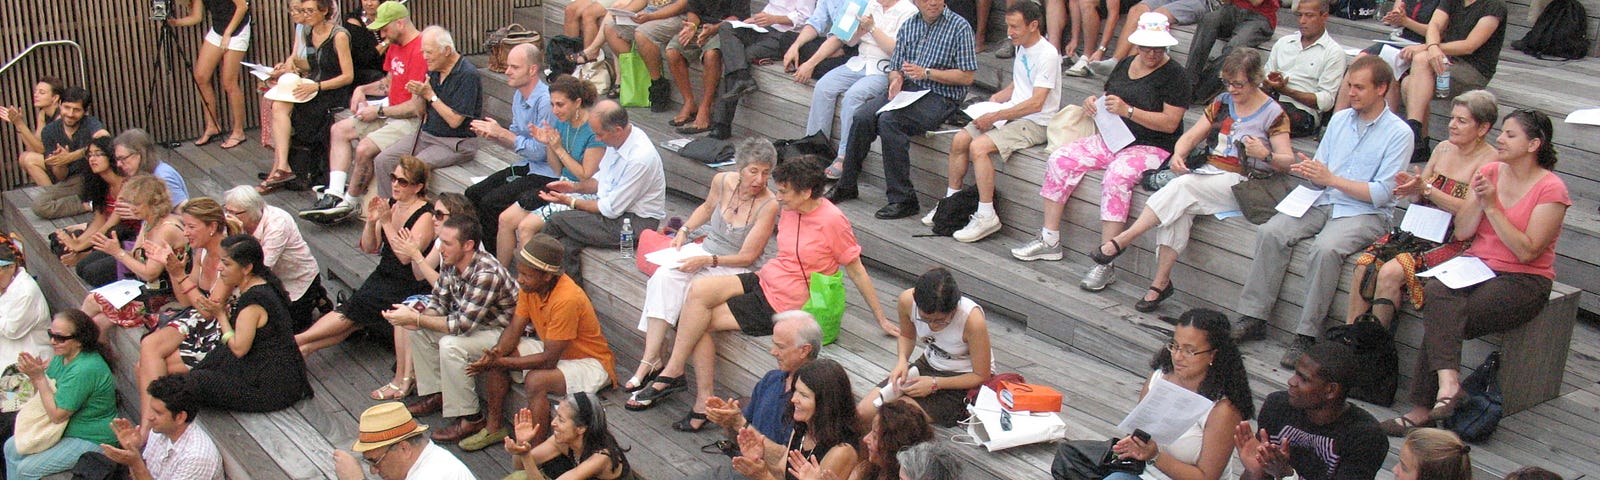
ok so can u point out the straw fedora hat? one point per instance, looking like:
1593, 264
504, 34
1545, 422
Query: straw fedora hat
385, 424
284, 90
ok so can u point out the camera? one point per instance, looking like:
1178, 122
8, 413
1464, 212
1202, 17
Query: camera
160, 10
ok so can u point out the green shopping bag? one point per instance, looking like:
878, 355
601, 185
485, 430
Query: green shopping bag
635, 80
827, 303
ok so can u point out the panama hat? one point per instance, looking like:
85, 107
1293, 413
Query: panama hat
385, 424
1153, 31
284, 90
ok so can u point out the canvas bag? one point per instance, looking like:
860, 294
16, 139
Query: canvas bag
500, 42
635, 78
35, 432
985, 429
1067, 125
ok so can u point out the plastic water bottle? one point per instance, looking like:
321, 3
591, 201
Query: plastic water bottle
1441, 82
625, 238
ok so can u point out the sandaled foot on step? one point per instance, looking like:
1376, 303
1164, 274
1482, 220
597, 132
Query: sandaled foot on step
1099, 256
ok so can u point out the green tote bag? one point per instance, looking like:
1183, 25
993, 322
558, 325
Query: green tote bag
635, 80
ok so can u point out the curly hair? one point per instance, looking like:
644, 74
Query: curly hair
833, 419
1226, 377
96, 188
899, 425
802, 173
574, 89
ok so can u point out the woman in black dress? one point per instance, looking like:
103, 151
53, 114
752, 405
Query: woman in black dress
329, 71
409, 210
257, 367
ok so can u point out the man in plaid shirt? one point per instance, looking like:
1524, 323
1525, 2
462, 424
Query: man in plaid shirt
472, 304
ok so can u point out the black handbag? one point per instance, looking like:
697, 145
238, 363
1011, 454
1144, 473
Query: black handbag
97, 466
814, 144
1373, 346
1090, 460
1477, 417
712, 152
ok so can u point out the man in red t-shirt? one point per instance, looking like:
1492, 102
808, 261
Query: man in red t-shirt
390, 121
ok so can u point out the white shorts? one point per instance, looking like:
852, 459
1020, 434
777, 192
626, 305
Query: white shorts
239, 43
582, 375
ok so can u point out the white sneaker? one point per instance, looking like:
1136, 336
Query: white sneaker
927, 220
1103, 67
1099, 277
1037, 250
891, 391
1079, 68
978, 226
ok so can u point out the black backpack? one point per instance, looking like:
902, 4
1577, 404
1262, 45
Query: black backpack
1373, 346
1562, 31
557, 51
954, 211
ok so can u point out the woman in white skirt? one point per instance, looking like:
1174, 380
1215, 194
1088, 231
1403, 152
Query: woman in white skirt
737, 220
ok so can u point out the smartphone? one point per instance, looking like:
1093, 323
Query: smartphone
1141, 435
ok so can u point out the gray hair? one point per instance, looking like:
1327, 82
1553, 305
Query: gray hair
929, 461
245, 198
1480, 104
755, 150
441, 37
140, 143
805, 327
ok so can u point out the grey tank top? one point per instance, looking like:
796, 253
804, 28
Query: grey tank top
723, 238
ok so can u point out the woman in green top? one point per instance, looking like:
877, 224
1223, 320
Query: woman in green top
84, 396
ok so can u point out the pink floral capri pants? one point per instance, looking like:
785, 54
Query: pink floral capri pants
1069, 163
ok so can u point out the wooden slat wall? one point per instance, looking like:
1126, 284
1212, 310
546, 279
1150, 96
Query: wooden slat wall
120, 45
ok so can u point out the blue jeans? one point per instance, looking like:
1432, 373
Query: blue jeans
1121, 476
851, 90
56, 459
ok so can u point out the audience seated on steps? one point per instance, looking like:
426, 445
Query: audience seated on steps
372, 128
424, 266
408, 216
1433, 453
143, 213
1234, 15
659, 21
1312, 431
169, 446
1150, 92
736, 220
941, 63
743, 47
698, 41
58, 159
1412, 18
1093, 26
470, 307
1017, 119
1304, 69
825, 438
1385, 273
327, 71
391, 445
136, 153
1514, 238
24, 317
816, 51
796, 340
553, 344
75, 386
629, 189
956, 358
530, 111
864, 81
573, 150
1202, 359
451, 97
1463, 41
46, 99
813, 237
1354, 166
580, 444
1243, 117
366, 50
287, 253
1246, 24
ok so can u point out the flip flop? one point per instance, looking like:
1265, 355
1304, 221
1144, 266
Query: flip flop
232, 142
205, 139
678, 123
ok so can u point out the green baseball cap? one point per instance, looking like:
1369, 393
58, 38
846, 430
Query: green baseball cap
388, 12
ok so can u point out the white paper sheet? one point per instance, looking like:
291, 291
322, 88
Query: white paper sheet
260, 71
477, 179
1112, 130
1426, 222
903, 99
1298, 201
622, 17
1587, 116
673, 257
848, 19
1460, 272
1392, 55
1166, 411
676, 144
752, 26
984, 108
120, 292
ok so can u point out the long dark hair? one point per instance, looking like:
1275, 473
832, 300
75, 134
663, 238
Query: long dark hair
96, 189
597, 436
833, 420
87, 334
246, 250
1537, 126
1226, 377
899, 425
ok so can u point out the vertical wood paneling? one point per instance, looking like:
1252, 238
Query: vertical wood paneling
119, 44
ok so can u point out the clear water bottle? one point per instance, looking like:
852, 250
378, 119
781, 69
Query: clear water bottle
625, 238
1441, 82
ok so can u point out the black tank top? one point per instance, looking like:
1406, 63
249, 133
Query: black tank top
221, 12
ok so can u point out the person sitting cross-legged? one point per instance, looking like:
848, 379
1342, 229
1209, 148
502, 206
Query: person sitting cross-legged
59, 160
179, 450
553, 345
1024, 109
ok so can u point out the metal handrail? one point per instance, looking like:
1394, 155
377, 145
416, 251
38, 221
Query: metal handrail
83, 75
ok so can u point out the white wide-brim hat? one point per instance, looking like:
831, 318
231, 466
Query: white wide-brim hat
284, 90
1153, 31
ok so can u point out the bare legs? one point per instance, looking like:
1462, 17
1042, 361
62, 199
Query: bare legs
506, 239
206, 65
282, 129
654, 334
705, 310
33, 163
335, 327
966, 150
158, 356
710, 76
1418, 88
1391, 280
1166, 257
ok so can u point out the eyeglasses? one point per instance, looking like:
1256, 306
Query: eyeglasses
302, 11
441, 214
404, 182
1234, 85
56, 337
121, 158
375, 461
233, 213
1187, 351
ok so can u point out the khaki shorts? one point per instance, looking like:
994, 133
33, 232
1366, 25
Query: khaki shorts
658, 31
387, 132
692, 52
582, 375
1014, 135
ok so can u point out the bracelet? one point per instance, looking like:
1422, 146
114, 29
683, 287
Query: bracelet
935, 383
713, 260
227, 336
187, 290
1102, 48
572, 202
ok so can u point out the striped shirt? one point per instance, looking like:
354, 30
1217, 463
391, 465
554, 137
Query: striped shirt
482, 296
945, 44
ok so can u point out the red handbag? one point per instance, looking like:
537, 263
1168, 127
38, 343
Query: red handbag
649, 242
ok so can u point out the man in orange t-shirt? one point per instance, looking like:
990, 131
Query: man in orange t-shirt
554, 341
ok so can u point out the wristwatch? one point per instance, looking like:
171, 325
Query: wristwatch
380, 112
433, 99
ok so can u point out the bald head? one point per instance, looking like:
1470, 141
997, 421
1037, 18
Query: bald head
524, 66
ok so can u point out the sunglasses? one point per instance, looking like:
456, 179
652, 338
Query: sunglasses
56, 337
404, 182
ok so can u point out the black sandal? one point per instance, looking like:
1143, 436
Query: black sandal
1104, 259
647, 397
1162, 294
687, 424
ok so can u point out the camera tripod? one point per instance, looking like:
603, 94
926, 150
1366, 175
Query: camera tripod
165, 65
